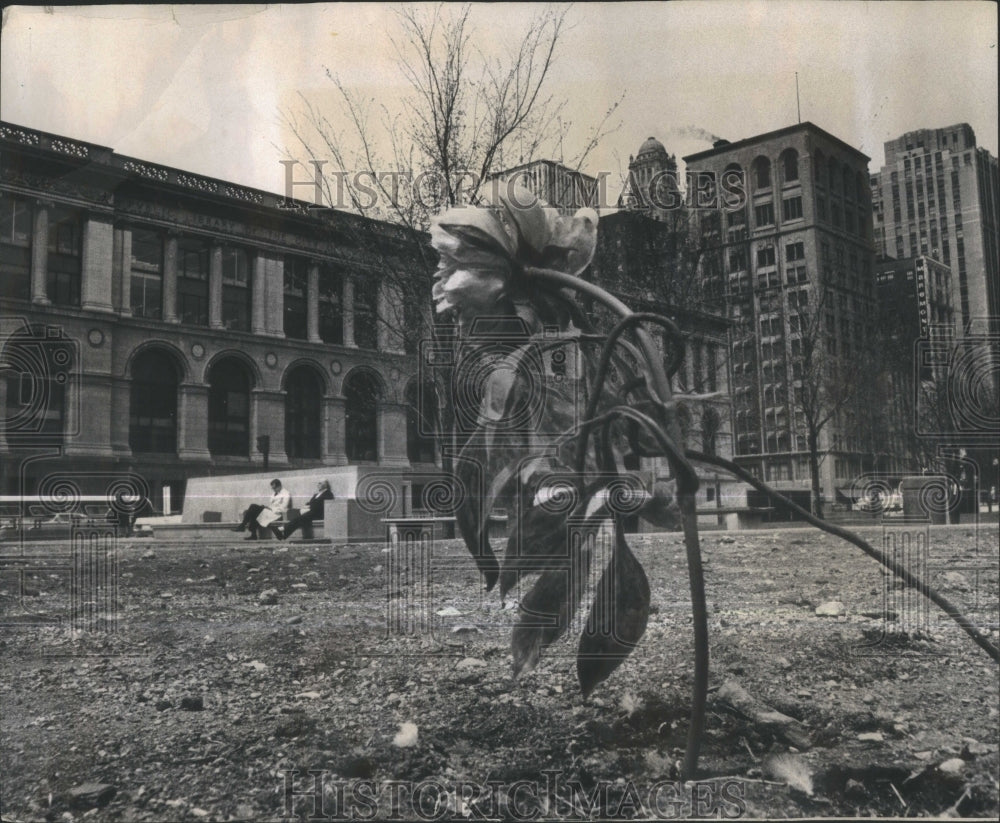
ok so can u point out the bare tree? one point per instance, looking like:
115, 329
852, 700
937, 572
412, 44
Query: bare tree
467, 114
824, 384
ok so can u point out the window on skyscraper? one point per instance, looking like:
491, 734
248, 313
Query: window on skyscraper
792, 208
762, 173
790, 165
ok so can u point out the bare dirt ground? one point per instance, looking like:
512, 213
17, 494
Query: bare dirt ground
207, 693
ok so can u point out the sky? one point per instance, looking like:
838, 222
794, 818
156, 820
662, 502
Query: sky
204, 88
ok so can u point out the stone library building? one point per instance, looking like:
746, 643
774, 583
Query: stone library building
170, 325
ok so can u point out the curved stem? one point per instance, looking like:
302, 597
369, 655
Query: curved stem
687, 486
897, 569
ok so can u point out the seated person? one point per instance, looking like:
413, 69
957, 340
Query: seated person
314, 511
264, 516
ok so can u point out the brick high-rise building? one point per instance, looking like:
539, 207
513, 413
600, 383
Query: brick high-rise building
795, 242
938, 192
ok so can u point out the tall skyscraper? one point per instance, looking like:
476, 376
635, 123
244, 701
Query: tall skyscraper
939, 192
795, 243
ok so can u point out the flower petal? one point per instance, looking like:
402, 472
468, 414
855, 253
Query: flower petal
525, 211
478, 227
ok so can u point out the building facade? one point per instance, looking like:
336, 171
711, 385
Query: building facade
795, 246
645, 262
915, 318
939, 194
558, 185
652, 184
170, 325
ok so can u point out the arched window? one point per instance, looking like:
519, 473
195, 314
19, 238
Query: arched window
153, 403
848, 186
819, 167
831, 173
229, 408
789, 165
421, 422
303, 414
762, 173
860, 189
362, 394
38, 365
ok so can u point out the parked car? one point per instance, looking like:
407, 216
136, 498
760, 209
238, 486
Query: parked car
879, 500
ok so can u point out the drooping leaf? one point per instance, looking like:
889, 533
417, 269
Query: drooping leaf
617, 619
549, 516
548, 607
472, 522
661, 508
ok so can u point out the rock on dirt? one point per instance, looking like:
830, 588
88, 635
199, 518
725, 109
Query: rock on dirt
268, 597
91, 795
832, 608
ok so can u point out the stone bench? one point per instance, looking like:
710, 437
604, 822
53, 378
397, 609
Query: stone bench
737, 518
430, 527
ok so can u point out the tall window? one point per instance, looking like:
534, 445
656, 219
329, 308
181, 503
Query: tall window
146, 289
765, 256
296, 288
762, 173
331, 313
791, 208
789, 165
153, 403
39, 365
303, 414
421, 422
362, 393
15, 247
764, 214
236, 293
192, 281
365, 303
65, 241
229, 408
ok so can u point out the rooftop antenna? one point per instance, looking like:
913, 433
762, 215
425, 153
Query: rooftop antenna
798, 107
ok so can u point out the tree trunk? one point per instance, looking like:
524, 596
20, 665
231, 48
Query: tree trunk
814, 497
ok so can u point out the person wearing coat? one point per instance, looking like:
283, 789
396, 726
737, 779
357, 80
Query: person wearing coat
257, 516
313, 511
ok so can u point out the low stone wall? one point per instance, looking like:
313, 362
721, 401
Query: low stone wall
226, 497
223, 499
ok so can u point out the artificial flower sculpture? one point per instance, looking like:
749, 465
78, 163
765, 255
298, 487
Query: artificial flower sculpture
484, 251
519, 260
496, 267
